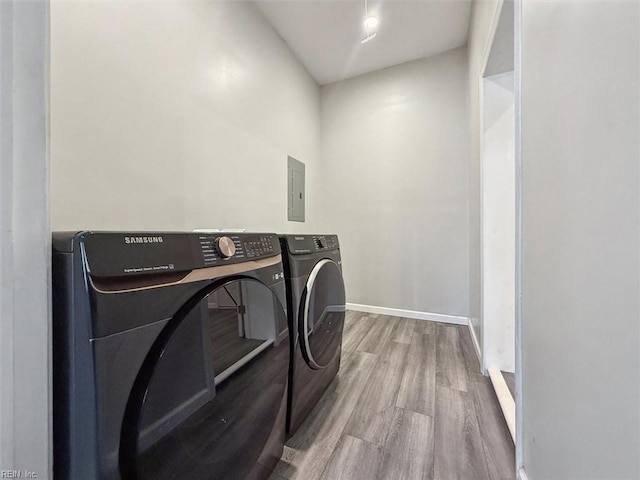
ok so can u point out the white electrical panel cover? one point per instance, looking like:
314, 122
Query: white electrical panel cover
296, 194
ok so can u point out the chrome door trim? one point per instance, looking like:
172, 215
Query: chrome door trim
305, 322
199, 274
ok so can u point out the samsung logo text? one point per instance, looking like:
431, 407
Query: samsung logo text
130, 240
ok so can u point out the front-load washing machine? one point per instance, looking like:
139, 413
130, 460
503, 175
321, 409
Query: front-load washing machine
171, 355
316, 309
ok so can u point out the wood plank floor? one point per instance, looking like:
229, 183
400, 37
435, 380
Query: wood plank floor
408, 403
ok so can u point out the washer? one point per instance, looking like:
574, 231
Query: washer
316, 307
171, 355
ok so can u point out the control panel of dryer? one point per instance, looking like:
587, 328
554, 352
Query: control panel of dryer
301, 244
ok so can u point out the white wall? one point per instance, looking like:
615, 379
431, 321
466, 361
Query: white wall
498, 223
395, 155
483, 14
25, 241
581, 239
176, 115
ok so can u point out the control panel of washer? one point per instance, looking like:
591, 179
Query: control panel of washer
220, 247
259, 245
140, 253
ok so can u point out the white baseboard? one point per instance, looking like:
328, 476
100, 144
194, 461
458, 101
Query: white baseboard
417, 315
505, 399
476, 344
522, 475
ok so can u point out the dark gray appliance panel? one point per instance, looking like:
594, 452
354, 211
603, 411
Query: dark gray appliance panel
205, 373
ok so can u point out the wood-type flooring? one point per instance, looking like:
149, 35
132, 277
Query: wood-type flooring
409, 403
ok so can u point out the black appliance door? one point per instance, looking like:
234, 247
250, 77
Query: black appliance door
208, 402
322, 315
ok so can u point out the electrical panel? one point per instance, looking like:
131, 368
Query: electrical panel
296, 193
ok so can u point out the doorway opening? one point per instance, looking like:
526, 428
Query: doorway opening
499, 244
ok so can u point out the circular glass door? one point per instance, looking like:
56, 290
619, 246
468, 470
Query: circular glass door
212, 392
322, 315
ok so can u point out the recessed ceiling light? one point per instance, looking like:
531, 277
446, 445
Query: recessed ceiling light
371, 22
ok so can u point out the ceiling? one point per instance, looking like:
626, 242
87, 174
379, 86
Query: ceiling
325, 34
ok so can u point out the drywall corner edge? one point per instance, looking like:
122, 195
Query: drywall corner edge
476, 343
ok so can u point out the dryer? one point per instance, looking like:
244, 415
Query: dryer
171, 355
316, 310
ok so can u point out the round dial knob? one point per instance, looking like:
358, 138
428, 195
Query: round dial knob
226, 247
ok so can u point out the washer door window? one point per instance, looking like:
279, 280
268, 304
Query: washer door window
211, 390
322, 314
